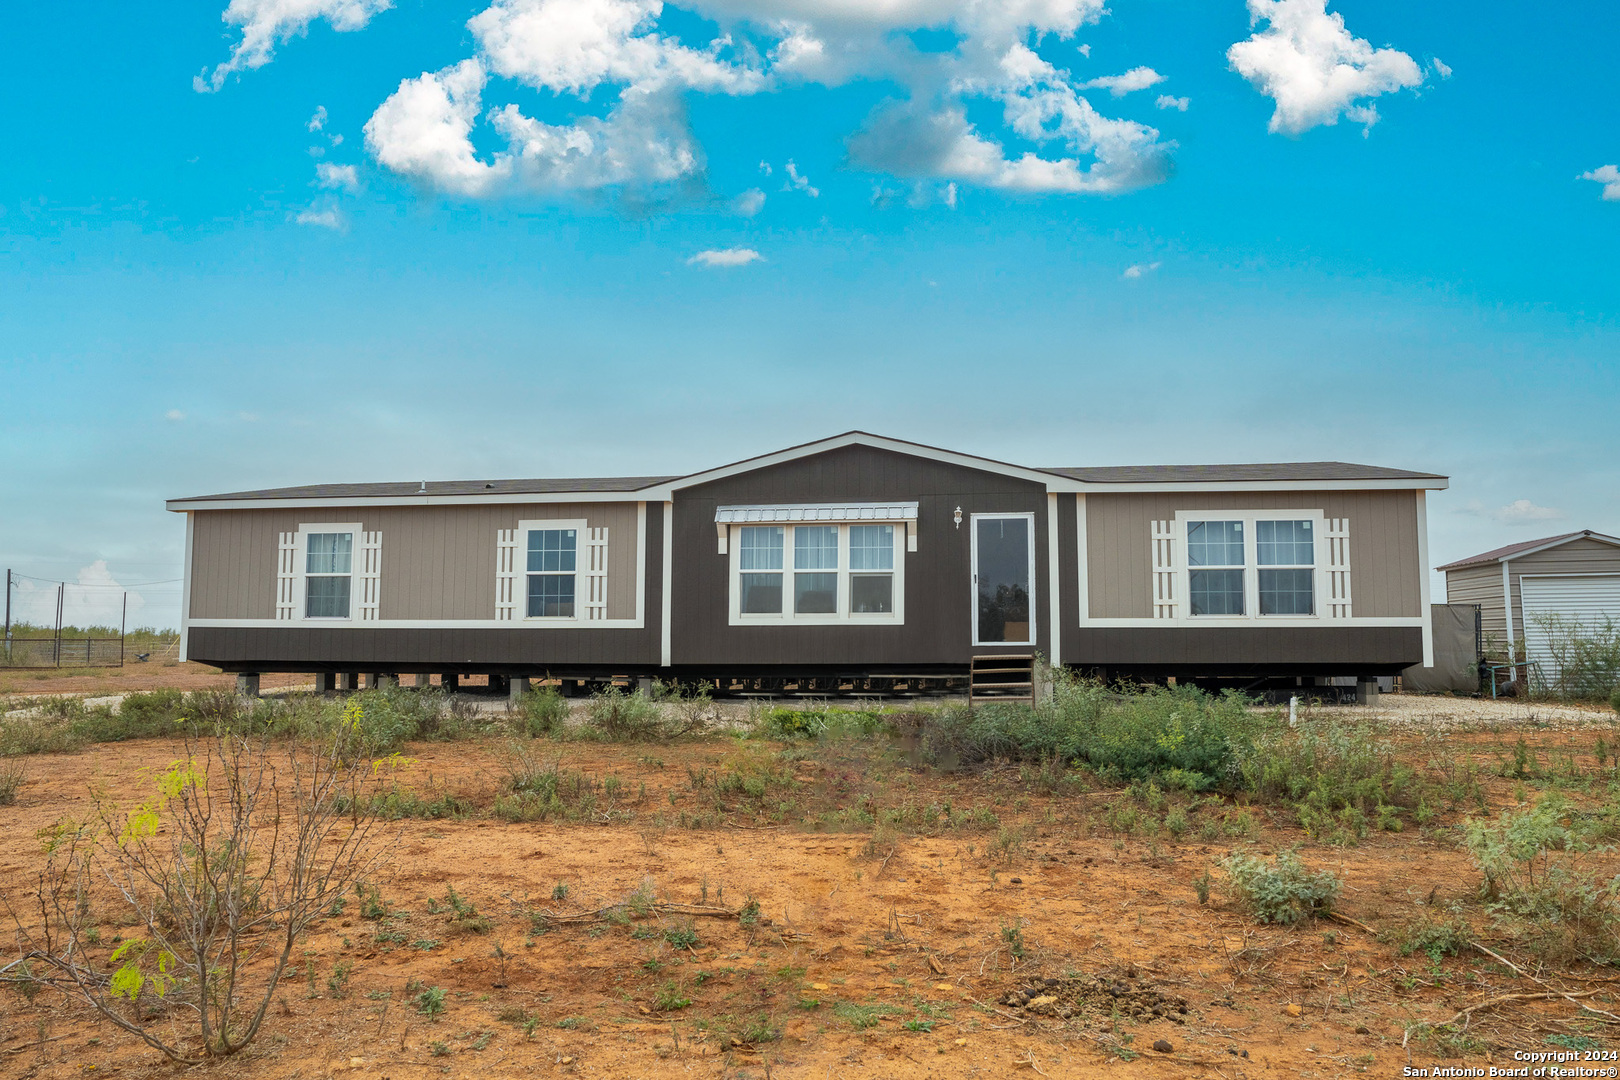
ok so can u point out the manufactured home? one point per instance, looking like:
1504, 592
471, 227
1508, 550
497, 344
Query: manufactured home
848, 560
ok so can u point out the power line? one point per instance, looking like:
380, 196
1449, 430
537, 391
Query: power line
95, 585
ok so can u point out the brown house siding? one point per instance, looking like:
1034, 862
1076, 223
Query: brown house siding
1384, 570
438, 562
1350, 650
938, 586
519, 650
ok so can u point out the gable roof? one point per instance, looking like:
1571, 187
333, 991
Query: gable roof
1280, 476
1525, 547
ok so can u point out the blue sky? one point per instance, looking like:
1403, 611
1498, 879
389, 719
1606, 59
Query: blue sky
562, 237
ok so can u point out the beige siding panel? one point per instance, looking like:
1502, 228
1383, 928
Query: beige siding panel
1480, 585
438, 562
1575, 557
1384, 571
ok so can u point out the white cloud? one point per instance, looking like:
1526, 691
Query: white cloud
799, 182
1523, 510
337, 177
1609, 177
1136, 270
317, 121
1441, 68
424, 131
725, 257
636, 132
95, 598
1138, 78
174, 415
326, 217
749, 202
1166, 101
1314, 69
265, 23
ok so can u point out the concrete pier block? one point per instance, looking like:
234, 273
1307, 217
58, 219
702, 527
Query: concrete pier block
519, 685
247, 684
325, 682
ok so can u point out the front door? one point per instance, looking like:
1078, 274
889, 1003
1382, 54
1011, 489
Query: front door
1003, 579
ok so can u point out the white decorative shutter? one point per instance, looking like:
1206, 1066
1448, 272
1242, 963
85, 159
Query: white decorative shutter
287, 578
506, 574
1338, 562
1164, 570
370, 575
596, 553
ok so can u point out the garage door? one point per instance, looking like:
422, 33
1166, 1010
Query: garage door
1559, 609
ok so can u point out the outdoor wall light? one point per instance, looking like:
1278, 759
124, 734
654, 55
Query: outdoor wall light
958, 516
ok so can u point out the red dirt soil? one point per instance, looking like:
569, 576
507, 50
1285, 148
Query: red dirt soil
848, 919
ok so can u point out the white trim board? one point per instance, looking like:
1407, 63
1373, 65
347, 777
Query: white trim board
1082, 579
667, 584
1220, 622
1054, 593
1424, 587
185, 590
428, 624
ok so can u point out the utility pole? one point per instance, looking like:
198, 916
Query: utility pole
8, 612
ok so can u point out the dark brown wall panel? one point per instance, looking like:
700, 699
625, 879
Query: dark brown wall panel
1245, 647
938, 584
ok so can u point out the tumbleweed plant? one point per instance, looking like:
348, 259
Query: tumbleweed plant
235, 850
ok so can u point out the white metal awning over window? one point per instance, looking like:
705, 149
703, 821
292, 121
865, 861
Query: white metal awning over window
832, 512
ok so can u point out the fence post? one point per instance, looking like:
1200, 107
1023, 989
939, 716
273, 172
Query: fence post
61, 588
123, 625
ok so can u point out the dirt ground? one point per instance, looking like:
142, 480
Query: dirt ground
877, 953
96, 682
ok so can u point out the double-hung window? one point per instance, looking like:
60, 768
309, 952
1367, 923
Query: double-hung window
552, 557
817, 573
1215, 565
328, 575
1286, 557
760, 556
871, 569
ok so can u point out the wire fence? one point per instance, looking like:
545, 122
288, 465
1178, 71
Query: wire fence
62, 652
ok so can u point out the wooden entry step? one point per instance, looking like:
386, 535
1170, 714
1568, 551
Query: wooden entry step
1002, 678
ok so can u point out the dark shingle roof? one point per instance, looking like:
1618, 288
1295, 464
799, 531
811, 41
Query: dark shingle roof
1189, 474
1500, 553
582, 485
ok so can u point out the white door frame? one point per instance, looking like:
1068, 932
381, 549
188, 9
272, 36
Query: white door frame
973, 575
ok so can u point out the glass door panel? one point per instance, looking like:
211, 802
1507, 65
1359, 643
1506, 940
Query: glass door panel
1003, 567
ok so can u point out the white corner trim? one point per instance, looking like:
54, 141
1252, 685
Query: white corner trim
668, 585
185, 589
641, 562
1147, 622
1424, 588
1507, 604
428, 624
1054, 592
1083, 572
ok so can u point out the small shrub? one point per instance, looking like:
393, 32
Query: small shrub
1201, 885
430, 1002
543, 711
1282, 891
670, 999
11, 779
616, 716
1436, 936
862, 1017
681, 937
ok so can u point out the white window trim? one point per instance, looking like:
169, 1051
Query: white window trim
1320, 596
293, 606
521, 570
843, 616
973, 579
